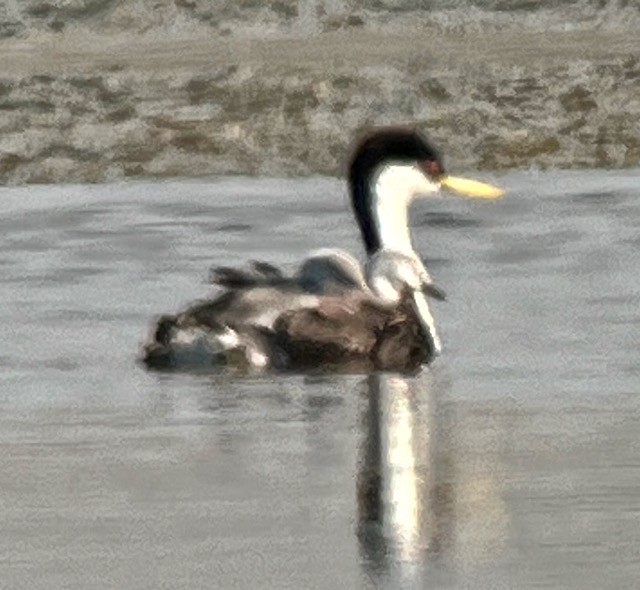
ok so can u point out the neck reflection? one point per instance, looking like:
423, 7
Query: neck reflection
423, 497
403, 508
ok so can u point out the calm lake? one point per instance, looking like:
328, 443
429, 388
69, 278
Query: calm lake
513, 462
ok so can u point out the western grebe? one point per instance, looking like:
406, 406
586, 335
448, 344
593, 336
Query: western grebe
333, 312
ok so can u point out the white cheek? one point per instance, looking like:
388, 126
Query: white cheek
424, 186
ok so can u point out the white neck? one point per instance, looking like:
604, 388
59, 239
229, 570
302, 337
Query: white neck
394, 187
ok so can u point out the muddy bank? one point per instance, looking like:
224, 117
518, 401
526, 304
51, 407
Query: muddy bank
80, 108
24, 18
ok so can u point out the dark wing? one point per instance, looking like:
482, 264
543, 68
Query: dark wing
267, 270
232, 278
262, 274
352, 333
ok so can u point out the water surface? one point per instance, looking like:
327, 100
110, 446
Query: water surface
512, 463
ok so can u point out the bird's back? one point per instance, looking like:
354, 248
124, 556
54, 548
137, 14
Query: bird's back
323, 317
353, 333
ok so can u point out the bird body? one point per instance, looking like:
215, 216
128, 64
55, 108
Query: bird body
333, 312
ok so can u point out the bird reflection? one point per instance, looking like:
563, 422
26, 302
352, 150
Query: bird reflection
422, 498
404, 502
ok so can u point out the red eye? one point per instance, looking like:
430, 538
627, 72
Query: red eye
433, 168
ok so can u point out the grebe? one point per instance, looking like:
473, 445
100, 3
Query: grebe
333, 312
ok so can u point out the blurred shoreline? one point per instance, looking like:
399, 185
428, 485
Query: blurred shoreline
81, 106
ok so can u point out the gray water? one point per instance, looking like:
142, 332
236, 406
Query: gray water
511, 463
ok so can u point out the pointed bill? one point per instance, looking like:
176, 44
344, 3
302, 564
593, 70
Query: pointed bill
433, 291
471, 188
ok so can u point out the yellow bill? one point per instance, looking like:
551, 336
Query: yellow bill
471, 188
